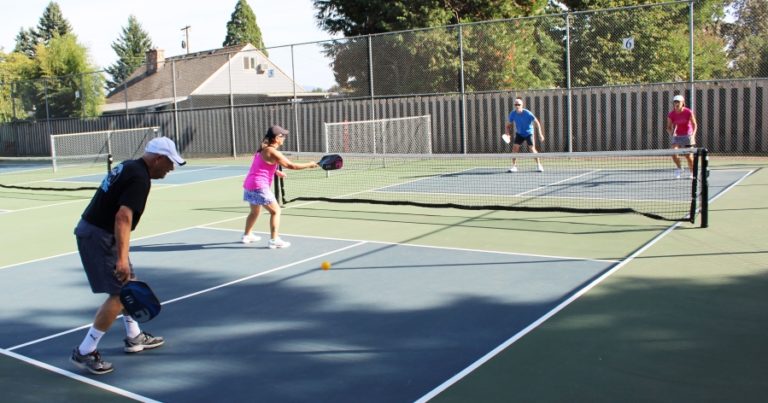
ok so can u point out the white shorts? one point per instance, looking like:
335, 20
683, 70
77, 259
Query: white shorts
683, 141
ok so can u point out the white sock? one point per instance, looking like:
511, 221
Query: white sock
90, 341
131, 327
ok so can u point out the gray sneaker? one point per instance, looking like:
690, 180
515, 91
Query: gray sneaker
144, 341
91, 362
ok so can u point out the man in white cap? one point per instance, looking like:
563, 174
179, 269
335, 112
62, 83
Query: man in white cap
103, 235
681, 124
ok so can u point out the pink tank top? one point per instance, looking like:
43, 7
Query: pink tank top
260, 175
682, 121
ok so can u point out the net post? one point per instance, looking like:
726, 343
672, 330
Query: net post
704, 188
52, 141
279, 188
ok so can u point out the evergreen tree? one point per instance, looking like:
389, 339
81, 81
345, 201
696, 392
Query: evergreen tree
26, 41
242, 27
130, 48
52, 23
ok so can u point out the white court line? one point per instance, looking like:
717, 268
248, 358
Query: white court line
725, 190
436, 247
487, 357
196, 293
558, 182
424, 398
77, 377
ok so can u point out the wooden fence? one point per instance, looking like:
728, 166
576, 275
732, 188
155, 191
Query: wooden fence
732, 117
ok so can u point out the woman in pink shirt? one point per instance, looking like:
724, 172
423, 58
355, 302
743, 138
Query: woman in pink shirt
681, 124
258, 185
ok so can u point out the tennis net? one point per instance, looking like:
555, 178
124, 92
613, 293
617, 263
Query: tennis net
643, 182
36, 173
99, 147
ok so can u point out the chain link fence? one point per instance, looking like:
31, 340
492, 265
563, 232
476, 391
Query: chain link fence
598, 80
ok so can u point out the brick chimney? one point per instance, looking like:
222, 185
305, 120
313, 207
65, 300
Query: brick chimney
155, 60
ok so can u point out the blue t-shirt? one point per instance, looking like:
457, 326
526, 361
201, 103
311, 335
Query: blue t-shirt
523, 122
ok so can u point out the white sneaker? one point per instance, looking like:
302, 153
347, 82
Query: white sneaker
678, 172
540, 168
278, 243
513, 169
250, 238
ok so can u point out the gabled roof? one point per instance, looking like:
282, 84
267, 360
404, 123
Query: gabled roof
192, 70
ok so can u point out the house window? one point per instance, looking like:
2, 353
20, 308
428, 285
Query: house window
249, 63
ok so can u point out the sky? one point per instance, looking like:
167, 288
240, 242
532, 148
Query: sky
99, 23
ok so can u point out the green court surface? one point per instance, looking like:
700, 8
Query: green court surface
684, 317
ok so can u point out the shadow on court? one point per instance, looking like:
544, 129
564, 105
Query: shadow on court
386, 323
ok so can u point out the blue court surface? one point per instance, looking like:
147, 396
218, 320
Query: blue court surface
574, 184
590, 184
180, 175
388, 322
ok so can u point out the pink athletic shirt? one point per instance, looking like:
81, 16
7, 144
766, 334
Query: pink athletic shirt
682, 121
260, 175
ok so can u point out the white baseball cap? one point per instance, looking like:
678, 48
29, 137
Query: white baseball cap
678, 98
165, 146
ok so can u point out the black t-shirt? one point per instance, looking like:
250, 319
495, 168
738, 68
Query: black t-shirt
127, 185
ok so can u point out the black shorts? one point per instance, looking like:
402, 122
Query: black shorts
521, 138
98, 252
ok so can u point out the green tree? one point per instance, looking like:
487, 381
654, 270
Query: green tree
66, 80
364, 17
748, 38
130, 48
427, 61
14, 69
26, 41
51, 23
661, 50
242, 27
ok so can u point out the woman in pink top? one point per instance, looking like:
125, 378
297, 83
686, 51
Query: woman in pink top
258, 185
681, 124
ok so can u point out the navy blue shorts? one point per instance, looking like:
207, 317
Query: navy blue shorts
98, 252
520, 139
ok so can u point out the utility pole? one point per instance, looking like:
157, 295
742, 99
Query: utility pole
185, 43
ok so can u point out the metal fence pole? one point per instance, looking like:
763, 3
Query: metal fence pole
692, 96
13, 100
463, 113
175, 104
125, 92
231, 107
370, 80
569, 101
47, 109
295, 102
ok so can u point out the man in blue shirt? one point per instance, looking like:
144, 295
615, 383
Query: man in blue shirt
524, 122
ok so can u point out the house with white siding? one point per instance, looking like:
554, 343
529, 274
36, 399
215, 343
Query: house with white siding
234, 75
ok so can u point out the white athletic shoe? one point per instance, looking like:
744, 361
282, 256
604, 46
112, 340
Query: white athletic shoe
678, 172
540, 168
250, 238
513, 169
278, 243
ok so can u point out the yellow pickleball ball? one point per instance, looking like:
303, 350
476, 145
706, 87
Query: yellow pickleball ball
325, 265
